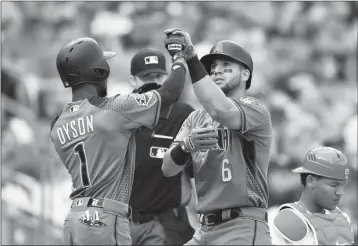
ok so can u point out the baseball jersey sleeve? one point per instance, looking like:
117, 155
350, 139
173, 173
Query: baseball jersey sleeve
140, 109
256, 120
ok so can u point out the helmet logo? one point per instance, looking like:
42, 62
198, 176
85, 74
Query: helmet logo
217, 48
346, 172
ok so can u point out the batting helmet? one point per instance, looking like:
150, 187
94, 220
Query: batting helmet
326, 162
229, 50
83, 61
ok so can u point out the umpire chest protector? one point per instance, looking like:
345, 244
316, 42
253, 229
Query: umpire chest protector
152, 192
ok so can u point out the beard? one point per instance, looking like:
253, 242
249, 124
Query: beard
227, 85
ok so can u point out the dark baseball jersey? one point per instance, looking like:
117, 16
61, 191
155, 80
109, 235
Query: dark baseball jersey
94, 138
152, 191
234, 174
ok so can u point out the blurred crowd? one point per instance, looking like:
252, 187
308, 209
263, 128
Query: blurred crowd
305, 72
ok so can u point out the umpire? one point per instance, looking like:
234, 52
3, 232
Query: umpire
158, 203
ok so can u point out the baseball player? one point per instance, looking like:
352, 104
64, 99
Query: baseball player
228, 143
315, 219
94, 137
159, 215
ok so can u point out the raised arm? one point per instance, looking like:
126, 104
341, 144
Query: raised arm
174, 84
221, 108
210, 96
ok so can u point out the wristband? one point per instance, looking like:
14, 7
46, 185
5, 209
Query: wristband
196, 69
175, 64
179, 156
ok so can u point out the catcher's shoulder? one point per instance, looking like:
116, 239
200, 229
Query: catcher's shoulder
290, 224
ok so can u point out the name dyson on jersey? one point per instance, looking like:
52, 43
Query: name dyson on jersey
75, 128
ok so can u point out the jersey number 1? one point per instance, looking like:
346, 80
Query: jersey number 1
80, 151
225, 171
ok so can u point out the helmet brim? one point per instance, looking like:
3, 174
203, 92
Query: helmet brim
301, 170
108, 54
304, 170
209, 58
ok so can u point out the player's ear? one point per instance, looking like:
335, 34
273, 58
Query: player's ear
310, 181
245, 75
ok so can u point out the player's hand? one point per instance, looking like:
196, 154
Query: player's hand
179, 44
174, 43
201, 139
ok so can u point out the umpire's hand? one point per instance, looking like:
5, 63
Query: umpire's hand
201, 139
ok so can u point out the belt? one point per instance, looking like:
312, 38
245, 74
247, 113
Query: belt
233, 213
140, 217
108, 205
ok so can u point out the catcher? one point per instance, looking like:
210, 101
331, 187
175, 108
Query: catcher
315, 219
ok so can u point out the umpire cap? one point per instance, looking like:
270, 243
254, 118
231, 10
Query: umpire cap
83, 61
326, 162
229, 50
148, 61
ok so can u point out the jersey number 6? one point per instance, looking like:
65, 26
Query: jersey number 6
225, 171
80, 151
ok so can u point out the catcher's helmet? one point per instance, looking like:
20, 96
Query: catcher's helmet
326, 162
229, 49
83, 61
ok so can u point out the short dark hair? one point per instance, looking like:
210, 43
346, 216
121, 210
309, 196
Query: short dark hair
304, 178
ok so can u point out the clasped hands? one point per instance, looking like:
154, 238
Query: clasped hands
179, 45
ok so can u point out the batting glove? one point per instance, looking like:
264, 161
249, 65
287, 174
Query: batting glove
200, 139
179, 44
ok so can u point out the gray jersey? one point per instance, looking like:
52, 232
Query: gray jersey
95, 140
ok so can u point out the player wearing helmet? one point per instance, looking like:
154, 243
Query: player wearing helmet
94, 137
315, 219
228, 143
